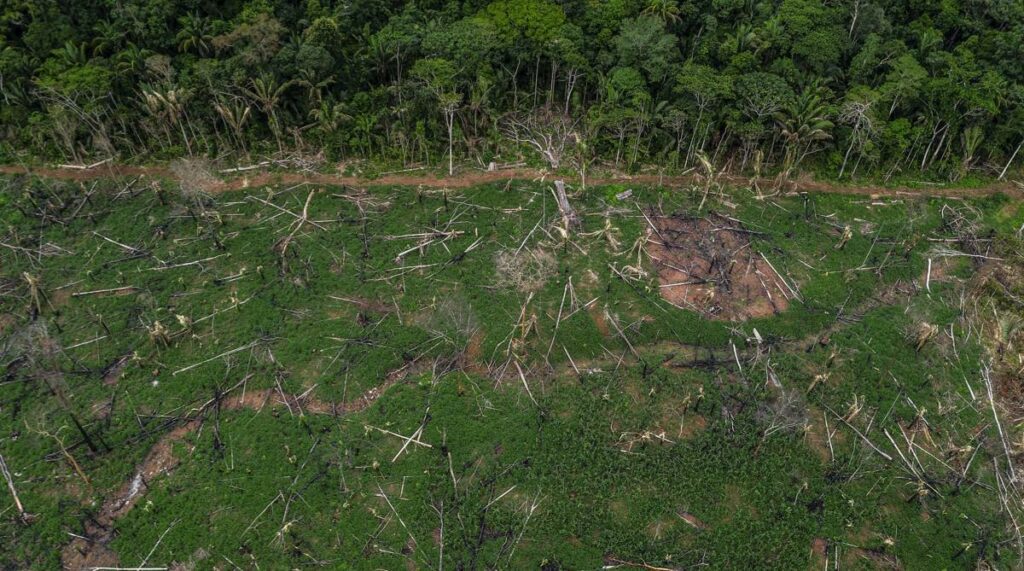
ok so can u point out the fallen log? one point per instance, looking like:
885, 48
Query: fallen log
569, 215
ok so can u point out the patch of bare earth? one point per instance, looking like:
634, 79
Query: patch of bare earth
691, 425
819, 553
473, 360
112, 373
600, 318
6, 321
817, 435
707, 265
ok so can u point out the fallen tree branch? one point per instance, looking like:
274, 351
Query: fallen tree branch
101, 291
224, 354
10, 486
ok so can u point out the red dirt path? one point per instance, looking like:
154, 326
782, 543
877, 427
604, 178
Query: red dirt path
471, 178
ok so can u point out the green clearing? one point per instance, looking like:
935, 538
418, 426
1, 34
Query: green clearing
666, 440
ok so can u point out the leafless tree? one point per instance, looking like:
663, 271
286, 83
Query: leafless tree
857, 114
448, 103
79, 108
549, 130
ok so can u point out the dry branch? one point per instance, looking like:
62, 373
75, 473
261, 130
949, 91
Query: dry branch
10, 486
224, 354
861, 435
102, 291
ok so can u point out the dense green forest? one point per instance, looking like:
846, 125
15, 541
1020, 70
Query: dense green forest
846, 88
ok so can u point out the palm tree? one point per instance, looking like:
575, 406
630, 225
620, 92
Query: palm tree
195, 34
970, 140
132, 59
71, 54
266, 92
675, 120
108, 37
168, 107
14, 93
479, 101
771, 36
329, 115
804, 123
667, 10
365, 124
235, 115
746, 37
314, 84
378, 51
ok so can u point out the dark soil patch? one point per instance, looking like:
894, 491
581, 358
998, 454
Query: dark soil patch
707, 265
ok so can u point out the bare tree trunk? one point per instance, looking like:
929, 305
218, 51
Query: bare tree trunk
853, 21
569, 216
893, 107
570, 84
939, 148
450, 119
935, 133
693, 138
846, 157
551, 86
1013, 156
536, 78
515, 84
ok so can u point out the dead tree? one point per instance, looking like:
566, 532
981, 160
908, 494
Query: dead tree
549, 130
569, 216
858, 115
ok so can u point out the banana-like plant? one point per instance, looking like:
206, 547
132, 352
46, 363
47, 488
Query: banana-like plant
235, 115
803, 124
266, 91
195, 34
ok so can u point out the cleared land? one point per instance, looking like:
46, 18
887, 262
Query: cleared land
199, 375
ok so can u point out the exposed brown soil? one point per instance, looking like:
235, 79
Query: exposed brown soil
473, 359
91, 549
599, 315
473, 178
707, 265
6, 321
817, 438
691, 426
112, 373
819, 553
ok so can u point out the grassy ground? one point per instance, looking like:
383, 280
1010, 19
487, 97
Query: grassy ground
551, 427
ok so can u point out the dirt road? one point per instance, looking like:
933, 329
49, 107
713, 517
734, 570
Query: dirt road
257, 177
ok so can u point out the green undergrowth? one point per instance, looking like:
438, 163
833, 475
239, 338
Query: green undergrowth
677, 442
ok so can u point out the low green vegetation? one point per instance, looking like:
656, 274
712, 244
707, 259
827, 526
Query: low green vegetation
432, 378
